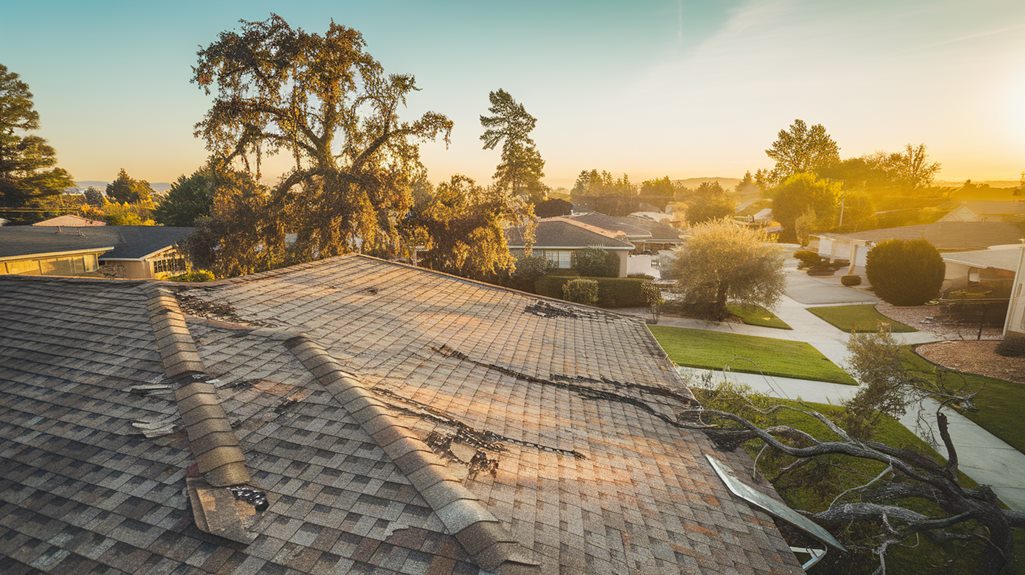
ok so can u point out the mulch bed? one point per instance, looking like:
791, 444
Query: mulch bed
979, 357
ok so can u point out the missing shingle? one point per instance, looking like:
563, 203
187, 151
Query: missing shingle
542, 308
216, 310
369, 290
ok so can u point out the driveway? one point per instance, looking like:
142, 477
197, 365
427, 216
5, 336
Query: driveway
811, 290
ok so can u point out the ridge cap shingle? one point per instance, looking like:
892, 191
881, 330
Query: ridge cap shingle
213, 443
481, 534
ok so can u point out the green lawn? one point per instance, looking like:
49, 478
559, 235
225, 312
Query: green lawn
1001, 404
858, 318
746, 353
756, 315
838, 473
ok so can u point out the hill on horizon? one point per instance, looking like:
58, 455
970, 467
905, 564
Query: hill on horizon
101, 185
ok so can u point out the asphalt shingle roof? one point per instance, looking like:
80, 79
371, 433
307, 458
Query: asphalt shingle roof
634, 227
400, 421
560, 233
129, 242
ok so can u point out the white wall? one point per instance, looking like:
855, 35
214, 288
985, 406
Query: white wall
642, 264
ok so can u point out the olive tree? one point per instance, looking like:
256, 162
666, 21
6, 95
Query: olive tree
725, 261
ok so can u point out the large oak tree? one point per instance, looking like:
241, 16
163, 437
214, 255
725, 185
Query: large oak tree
326, 103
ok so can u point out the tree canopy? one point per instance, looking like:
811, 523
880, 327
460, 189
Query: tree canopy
28, 164
461, 226
801, 149
189, 199
798, 195
522, 167
709, 202
327, 104
125, 189
724, 261
905, 272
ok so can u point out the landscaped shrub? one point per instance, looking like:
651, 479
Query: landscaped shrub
581, 291
193, 276
528, 270
596, 262
905, 272
641, 276
807, 258
612, 292
851, 280
1012, 346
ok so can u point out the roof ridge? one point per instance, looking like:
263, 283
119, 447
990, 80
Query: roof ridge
218, 455
481, 534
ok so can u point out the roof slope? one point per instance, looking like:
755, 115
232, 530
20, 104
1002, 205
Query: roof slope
635, 228
399, 420
563, 233
1002, 259
69, 220
946, 235
129, 242
591, 474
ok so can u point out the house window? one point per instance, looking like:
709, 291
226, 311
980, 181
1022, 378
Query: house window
172, 264
561, 259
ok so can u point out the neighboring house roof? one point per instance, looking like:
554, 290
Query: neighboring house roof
562, 232
944, 235
69, 220
398, 420
995, 208
634, 227
1001, 259
129, 242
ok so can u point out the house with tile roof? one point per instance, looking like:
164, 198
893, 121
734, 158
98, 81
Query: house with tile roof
351, 415
133, 252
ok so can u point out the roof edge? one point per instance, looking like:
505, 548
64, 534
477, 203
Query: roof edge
481, 534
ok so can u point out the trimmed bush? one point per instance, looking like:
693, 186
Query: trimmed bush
612, 292
1012, 346
905, 272
528, 270
581, 291
596, 262
193, 276
641, 276
851, 280
807, 258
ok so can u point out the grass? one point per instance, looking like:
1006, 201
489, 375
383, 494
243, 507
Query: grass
756, 315
746, 353
858, 318
1000, 403
813, 488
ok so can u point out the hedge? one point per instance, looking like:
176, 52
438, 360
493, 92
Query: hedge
612, 292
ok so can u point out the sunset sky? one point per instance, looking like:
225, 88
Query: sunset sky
648, 87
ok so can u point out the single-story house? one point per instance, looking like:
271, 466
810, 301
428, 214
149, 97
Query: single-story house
132, 252
70, 220
946, 236
987, 211
557, 239
353, 415
991, 269
647, 235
